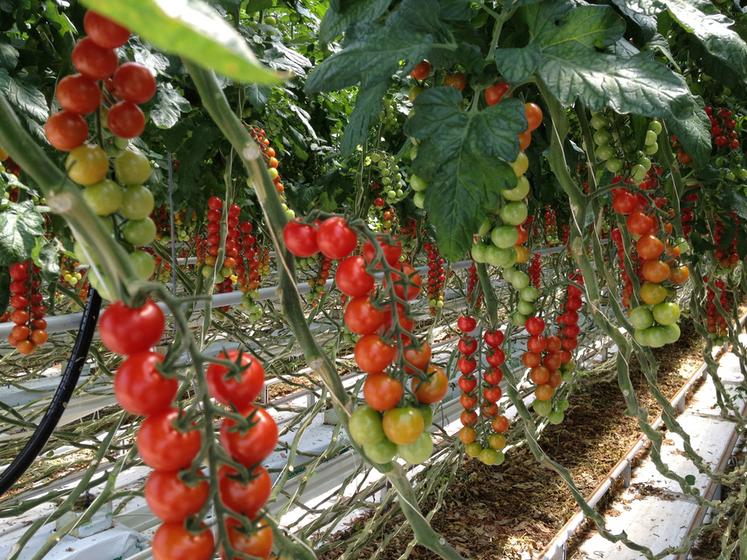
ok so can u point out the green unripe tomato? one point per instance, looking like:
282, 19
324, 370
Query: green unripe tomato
501, 258
641, 318
598, 122
519, 192
104, 197
381, 452
666, 313
638, 172
132, 168
485, 227
418, 199
652, 149
473, 449
645, 162
651, 138
601, 137
614, 165
101, 284
504, 237
563, 405
426, 411
514, 213
270, 20
143, 263
365, 426
520, 280
525, 307
121, 143
491, 457
417, 183
137, 203
672, 332
139, 232
520, 165
604, 153
556, 417
417, 452
529, 294
518, 319
542, 408
655, 127
479, 253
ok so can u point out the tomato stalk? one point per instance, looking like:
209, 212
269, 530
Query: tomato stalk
217, 106
64, 198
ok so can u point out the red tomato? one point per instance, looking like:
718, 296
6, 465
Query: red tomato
525, 139
493, 376
540, 375
496, 358
533, 114
467, 346
639, 223
252, 446
421, 71
553, 343
238, 390
649, 247
258, 543
171, 499
457, 80
372, 354
433, 389
173, 542
570, 331
140, 388
467, 384
362, 317
126, 120
467, 324
246, 498
467, 402
468, 418
66, 130
162, 446
531, 360
466, 365
536, 344
493, 338
300, 239
129, 330
407, 284
500, 424
492, 394
103, 31
134, 82
534, 326
574, 304
392, 253
417, 358
92, 60
78, 94
552, 360
381, 392
335, 238
352, 279
623, 202
20, 317
569, 344
39, 337
495, 93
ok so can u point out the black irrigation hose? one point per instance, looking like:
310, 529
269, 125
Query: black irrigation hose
61, 396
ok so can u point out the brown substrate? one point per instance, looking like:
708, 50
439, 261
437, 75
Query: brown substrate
513, 511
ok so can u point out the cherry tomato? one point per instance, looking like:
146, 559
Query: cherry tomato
536, 344
20, 317
132, 168
300, 239
92, 60
140, 388
171, 499
468, 402
492, 394
467, 384
467, 346
25, 347
493, 338
468, 418
544, 392
421, 71
351, 277
87, 164
493, 376
525, 139
78, 94
467, 435
403, 426
134, 82
336, 240
495, 93
417, 359
623, 202
392, 252
500, 424
655, 271
372, 354
66, 130
407, 282
639, 223
137, 202
681, 274
258, 543
162, 446
457, 80
467, 324
362, 317
531, 360
103, 31
172, 541
540, 375
128, 330
534, 116
246, 498
238, 390
496, 358
553, 343
649, 247
252, 446
381, 392
466, 365
433, 389
126, 120
534, 326
552, 360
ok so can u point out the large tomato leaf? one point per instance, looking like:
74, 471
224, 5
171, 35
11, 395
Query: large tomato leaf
338, 19
191, 29
24, 96
563, 53
463, 155
168, 107
20, 225
368, 105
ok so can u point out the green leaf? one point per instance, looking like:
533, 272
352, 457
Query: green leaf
168, 107
20, 225
463, 155
693, 132
589, 26
24, 96
8, 56
191, 29
4, 289
368, 105
281, 57
353, 11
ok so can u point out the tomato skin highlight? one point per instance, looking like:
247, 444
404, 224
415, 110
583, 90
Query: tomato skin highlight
254, 445
239, 391
246, 498
162, 446
140, 389
126, 330
171, 499
103, 31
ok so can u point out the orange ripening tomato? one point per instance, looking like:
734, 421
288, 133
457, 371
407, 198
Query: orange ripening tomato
433, 389
525, 138
534, 116
467, 435
544, 392
649, 247
680, 275
655, 271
